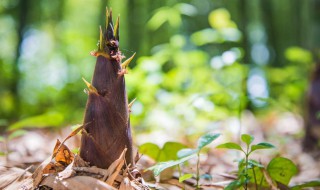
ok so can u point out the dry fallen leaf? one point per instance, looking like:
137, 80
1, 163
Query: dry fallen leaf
125, 184
63, 155
13, 178
76, 182
115, 164
38, 173
61, 158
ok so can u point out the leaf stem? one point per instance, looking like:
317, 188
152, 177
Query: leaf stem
247, 161
180, 174
255, 178
198, 170
246, 172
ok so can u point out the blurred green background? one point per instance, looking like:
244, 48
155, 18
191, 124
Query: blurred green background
198, 61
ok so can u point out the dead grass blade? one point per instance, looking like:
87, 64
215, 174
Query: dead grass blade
269, 180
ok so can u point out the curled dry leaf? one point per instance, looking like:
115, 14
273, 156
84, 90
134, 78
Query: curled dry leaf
61, 158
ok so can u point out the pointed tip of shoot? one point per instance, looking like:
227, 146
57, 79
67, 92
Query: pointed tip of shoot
110, 15
107, 17
131, 103
109, 33
101, 40
127, 62
116, 28
90, 87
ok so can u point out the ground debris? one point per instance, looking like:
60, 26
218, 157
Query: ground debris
79, 175
73, 173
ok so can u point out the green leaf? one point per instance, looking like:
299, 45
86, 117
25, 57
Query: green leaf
247, 139
186, 152
233, 185
169, 151
75, 150
262, 145
16, 133
2, 139
52, 119
230, 145
206, 139
256, 176
159, 167
255, 163
150, 149
282, 169
315, 183
185, 177
253, 174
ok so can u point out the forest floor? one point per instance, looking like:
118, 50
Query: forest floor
285, 133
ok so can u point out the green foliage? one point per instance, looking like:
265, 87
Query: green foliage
315, 183
202, 142
184, 154
75, 151
282, 170
220, 19
247, 139
230, 145
159, 167
187, 152
187, 54
40, 121
298, 55
166, 153
150, 149
185, 177
182, 74
263, 145
206, 139
249, 170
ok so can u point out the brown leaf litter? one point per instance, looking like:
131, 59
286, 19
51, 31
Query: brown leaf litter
64, 170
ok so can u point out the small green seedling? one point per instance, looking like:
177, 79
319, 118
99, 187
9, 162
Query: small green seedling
276, 175
244, 176
185, 155
202, 142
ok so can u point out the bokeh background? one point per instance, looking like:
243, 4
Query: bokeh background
236, 66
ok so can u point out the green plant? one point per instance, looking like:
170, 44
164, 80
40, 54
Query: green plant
246, 163
166, 153
185, 155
